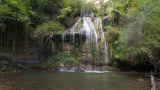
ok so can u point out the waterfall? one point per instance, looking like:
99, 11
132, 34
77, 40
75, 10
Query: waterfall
92, 36
73, 30
98, 24
92, 28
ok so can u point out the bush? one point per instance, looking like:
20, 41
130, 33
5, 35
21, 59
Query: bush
48, 28
61, 58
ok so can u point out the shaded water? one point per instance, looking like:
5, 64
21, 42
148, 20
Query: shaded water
72, 81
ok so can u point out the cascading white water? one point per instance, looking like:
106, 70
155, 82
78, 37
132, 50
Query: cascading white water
73, 29
93, 31
90, 30
92, 36
98, 24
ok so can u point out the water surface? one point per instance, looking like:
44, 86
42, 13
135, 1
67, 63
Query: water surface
72, 81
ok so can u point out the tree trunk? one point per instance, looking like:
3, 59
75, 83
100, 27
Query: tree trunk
13, 44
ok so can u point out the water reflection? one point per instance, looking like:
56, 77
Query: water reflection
73, 81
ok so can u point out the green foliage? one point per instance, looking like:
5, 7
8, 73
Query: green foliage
139, 40
141, 36
120, 7
64, 12
112, 34
91, 7
33, 13
47, 29
61, 58
17, 10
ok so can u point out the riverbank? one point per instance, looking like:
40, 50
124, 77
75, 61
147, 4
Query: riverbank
12, 68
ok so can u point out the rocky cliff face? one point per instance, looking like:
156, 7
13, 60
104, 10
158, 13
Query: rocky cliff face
83, 51
86, 39
17, 48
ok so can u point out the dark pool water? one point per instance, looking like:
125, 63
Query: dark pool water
73, 81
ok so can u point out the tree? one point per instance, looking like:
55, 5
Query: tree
139, 36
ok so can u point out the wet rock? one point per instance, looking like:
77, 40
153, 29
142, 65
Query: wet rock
4, 63
140, 80
61, 65
81, 69
2, 86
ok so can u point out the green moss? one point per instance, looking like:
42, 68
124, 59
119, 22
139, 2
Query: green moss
61, 58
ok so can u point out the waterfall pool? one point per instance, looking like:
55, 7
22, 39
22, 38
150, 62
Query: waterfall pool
74, 81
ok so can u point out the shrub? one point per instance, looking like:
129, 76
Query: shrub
61, 58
